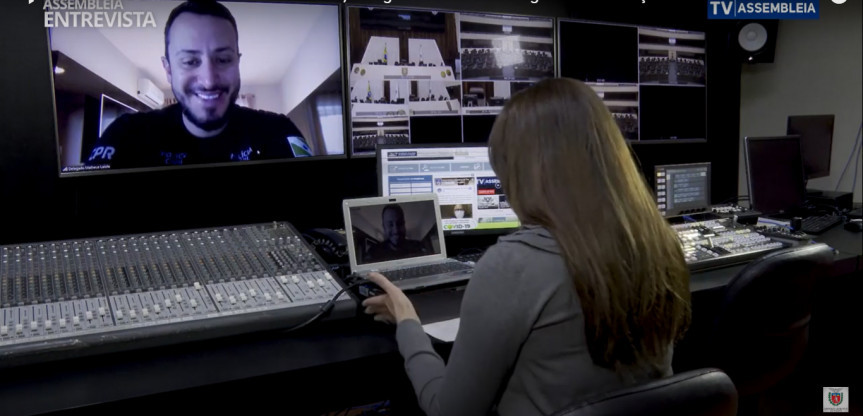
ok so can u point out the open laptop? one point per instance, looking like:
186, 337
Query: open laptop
402, 238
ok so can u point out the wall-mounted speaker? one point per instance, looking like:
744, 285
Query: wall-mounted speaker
756, 40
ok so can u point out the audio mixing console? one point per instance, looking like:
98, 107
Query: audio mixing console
80, 297
718, 243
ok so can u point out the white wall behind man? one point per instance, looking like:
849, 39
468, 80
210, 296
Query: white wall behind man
315, 60
92, 50
816, 70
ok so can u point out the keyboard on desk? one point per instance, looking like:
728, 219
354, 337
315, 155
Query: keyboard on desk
470, 257
425, 270
819, 224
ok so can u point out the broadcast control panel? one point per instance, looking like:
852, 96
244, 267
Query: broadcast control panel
722, 242
92, 295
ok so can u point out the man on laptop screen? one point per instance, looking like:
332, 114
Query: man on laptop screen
395, 244
401, 236
394, 231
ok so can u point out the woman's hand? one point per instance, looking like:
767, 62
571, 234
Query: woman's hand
393, 306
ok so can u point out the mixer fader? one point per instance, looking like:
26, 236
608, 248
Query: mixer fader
228, 280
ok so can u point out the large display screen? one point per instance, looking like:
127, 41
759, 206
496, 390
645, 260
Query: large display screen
651, 79
226, 83
423, 76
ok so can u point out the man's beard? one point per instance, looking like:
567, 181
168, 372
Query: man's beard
215, 124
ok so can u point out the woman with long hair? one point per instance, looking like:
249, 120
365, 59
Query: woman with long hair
590, 295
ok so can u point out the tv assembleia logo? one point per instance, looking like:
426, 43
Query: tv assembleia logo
93, 13
762, 9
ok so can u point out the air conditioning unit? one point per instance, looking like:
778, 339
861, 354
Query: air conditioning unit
150, 94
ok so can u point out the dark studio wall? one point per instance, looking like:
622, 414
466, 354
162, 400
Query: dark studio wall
36, 205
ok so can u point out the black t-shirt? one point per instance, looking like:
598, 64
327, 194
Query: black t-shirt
159, 138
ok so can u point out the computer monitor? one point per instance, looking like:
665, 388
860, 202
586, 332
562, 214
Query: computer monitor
816, 142
775, 173
682, 189
271, 91
471, 197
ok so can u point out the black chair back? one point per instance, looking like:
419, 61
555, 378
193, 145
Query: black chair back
762, 328
702, 392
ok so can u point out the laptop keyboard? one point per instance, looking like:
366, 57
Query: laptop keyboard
474, 257
425, 270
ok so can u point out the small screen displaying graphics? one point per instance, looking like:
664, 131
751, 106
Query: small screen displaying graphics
420, 76
682, 189
471, 197
229, 83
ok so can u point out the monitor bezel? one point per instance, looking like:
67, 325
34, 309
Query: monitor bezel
221, 165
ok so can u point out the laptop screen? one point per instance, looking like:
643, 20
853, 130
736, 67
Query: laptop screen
394, 231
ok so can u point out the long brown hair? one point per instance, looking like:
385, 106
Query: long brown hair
564, 165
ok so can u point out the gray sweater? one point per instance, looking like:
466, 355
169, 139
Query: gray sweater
521, 346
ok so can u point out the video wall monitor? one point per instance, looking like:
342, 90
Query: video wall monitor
670, 57
598, 53
635, 71
682, 189
231, 83
672, 113
419, 76
816, 142
471, 198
